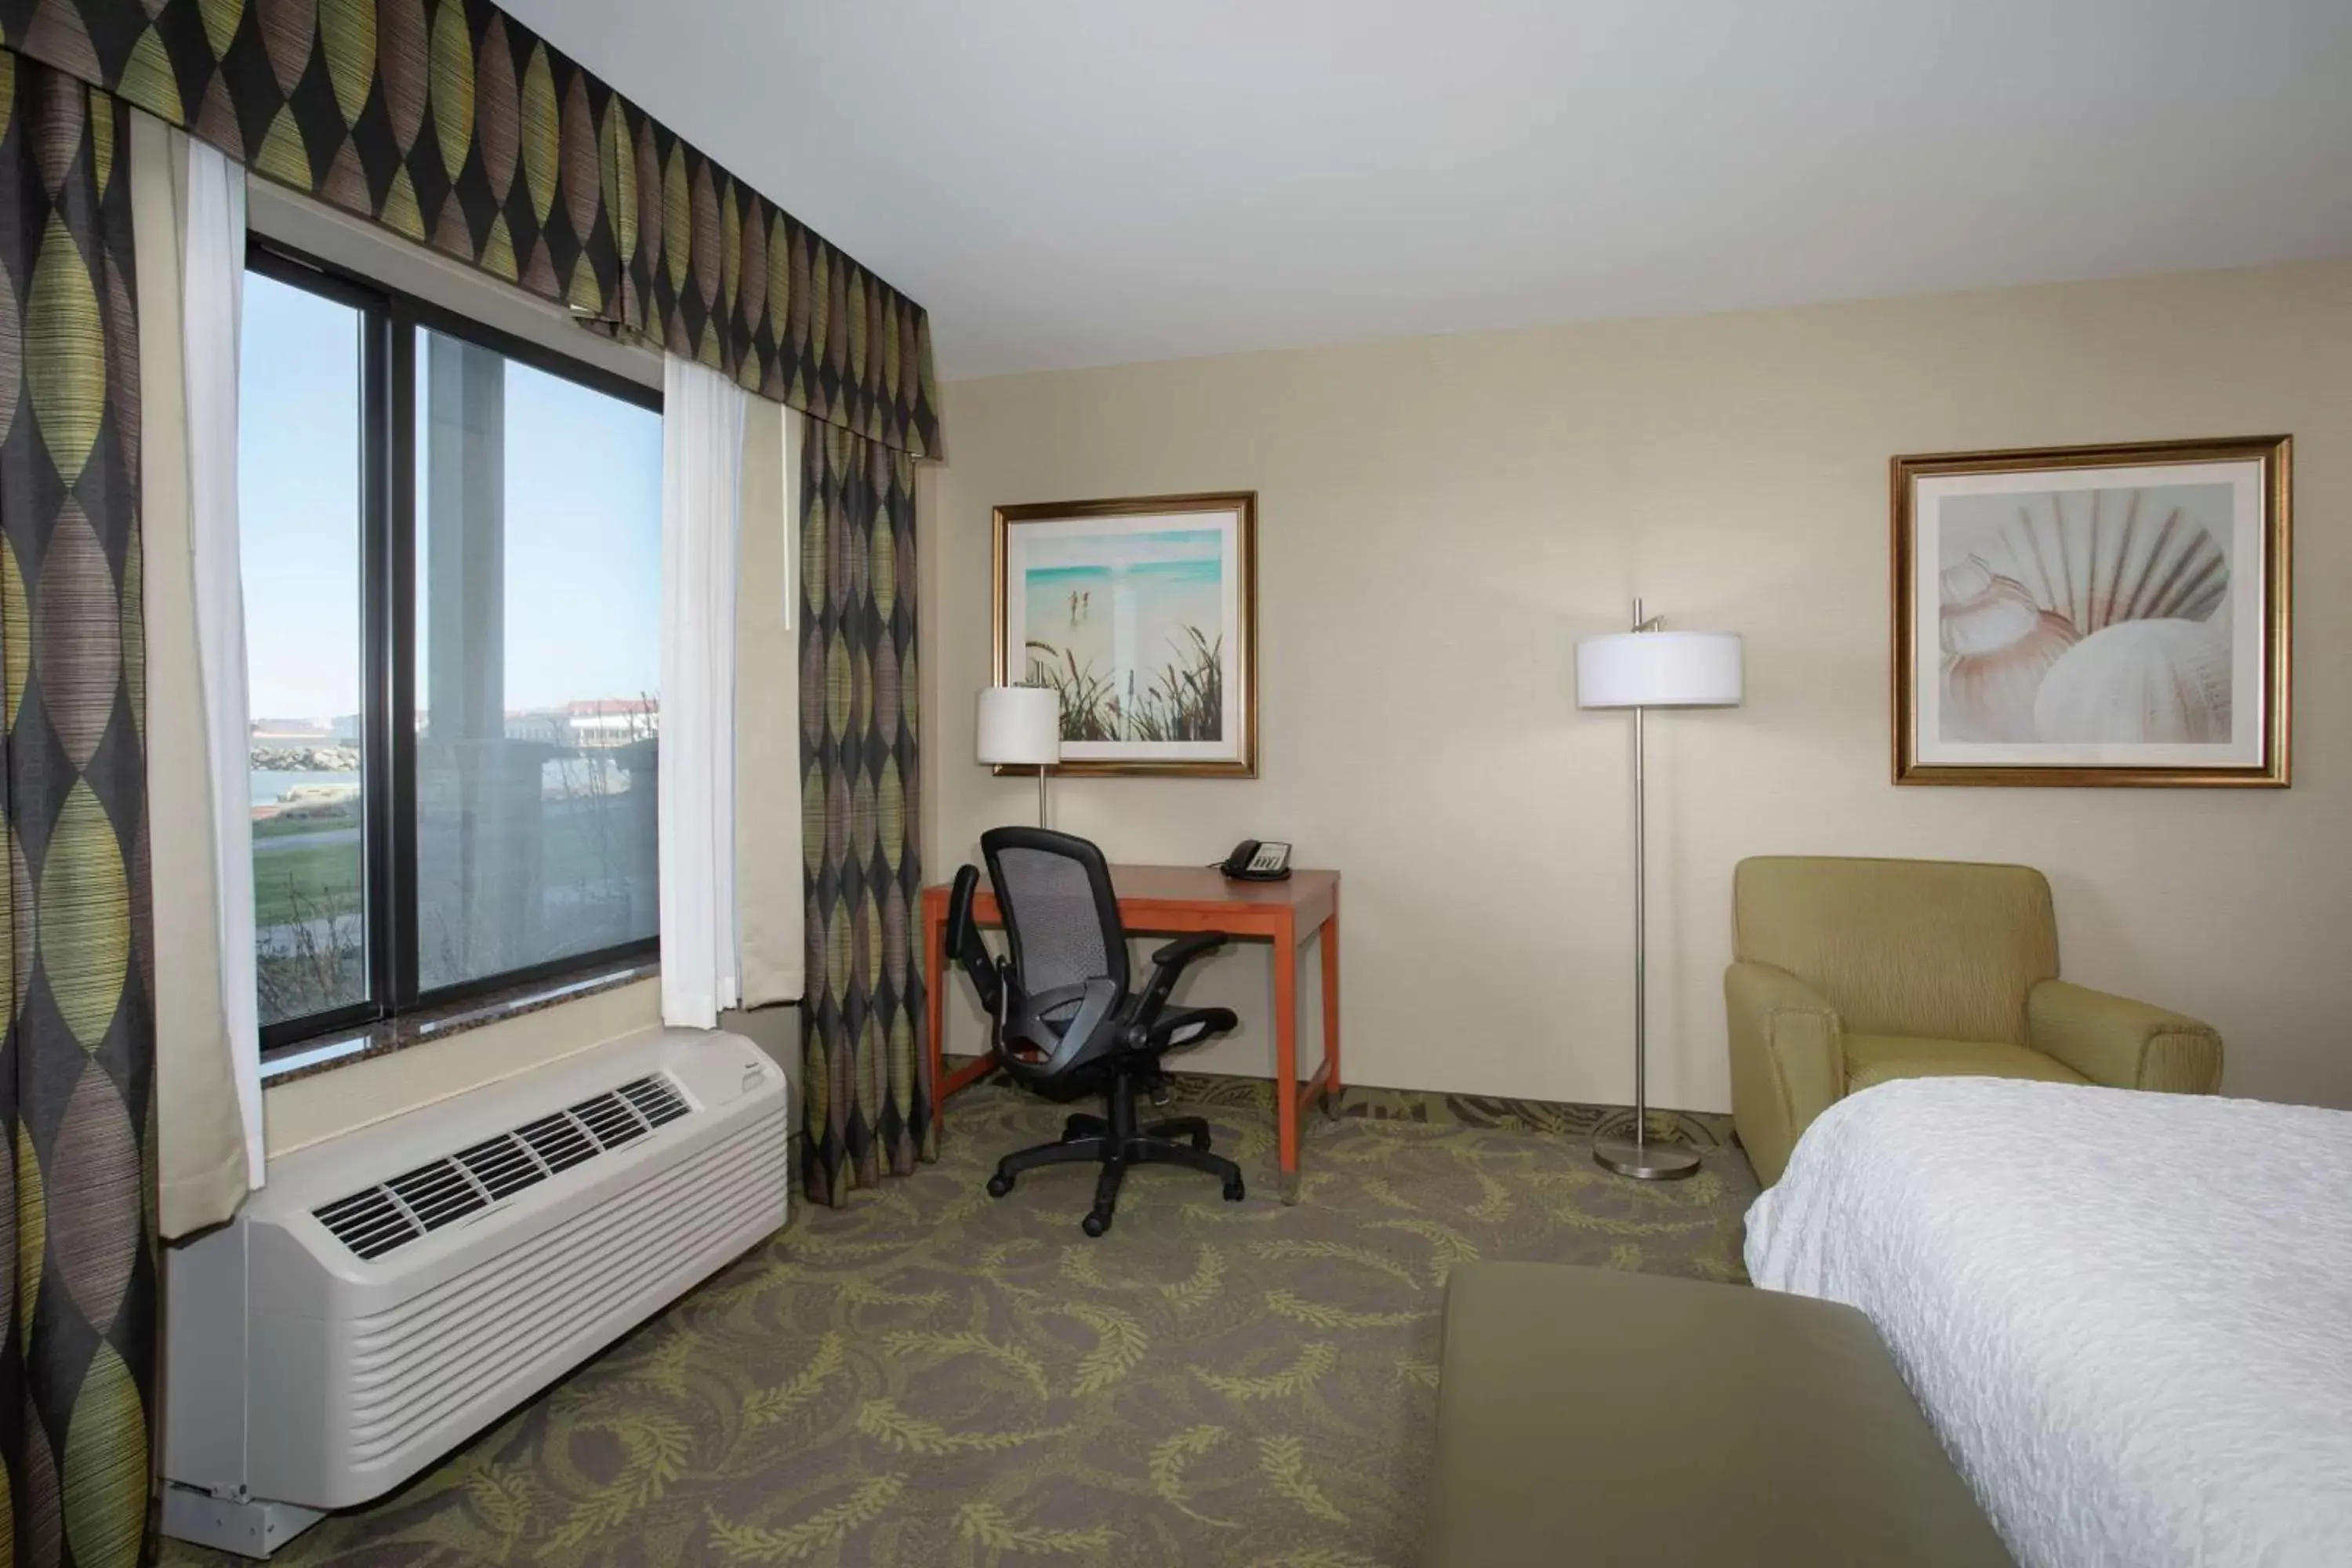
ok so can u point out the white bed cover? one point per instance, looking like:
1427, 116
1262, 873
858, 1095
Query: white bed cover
2129, 1315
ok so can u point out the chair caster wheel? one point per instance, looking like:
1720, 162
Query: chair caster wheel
1095, 1223
1200, 1142
999, 1186
1234, 1191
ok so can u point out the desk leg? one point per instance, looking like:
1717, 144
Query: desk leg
935, 998
1286, 1059
1331, 1011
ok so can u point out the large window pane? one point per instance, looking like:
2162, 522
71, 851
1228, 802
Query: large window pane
298, 466
538, 570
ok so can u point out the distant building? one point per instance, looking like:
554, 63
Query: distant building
340, 731
601, 722
294, 732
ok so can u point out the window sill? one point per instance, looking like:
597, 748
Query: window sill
328, 1052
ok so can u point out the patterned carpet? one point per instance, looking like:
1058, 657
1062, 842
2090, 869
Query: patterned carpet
930, 1377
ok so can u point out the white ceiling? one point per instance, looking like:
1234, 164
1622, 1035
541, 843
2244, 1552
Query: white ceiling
1088, 182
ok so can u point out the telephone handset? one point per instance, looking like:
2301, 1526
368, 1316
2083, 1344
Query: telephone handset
1257, 861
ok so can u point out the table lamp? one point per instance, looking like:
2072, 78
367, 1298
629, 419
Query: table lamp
1647, 667
1021, 727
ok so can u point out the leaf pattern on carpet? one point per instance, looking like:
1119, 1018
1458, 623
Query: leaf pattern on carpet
928, 1378
1166, 1468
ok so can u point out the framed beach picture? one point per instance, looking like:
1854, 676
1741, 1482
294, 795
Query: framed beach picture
1141, 614
2094, 615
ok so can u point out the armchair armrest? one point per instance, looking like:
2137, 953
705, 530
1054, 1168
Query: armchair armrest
1787, 1061
1167, 965
2121, 1043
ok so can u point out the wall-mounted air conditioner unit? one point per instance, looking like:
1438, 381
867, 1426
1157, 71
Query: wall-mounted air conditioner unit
389, 1293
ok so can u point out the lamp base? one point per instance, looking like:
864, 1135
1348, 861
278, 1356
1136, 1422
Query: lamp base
1644, 1162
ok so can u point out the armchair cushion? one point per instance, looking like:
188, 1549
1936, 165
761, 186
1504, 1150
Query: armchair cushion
1934, 948
2121, 1043
1881, 1059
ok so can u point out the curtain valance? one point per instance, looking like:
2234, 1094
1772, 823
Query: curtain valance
449, 123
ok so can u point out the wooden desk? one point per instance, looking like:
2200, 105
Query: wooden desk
1173, 899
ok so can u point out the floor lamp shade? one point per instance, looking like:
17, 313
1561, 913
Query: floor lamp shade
1020, 726
1659, 669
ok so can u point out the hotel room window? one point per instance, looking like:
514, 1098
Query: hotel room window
300, 455
452, 554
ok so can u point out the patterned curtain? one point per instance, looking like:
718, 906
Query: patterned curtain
78, 1264
866, 1091
455, 125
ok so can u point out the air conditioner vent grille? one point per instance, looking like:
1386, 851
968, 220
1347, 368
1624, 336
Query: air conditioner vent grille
502, 1165
377, 1219
612, 1121
655, 1100
369, 1223
436, 1194
558, 1139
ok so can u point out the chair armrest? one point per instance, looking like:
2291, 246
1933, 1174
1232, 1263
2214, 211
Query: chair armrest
1787, 1061
964, 946
1167, 966
2121, 1043
1185, 949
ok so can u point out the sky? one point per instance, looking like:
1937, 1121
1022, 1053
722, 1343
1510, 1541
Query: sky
582, 521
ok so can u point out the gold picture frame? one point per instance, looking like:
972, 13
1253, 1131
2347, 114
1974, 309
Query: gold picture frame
2096, 619
1188, 709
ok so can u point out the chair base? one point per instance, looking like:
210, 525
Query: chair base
1116, 1142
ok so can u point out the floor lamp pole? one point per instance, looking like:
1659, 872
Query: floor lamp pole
1638, 1157
1042, 772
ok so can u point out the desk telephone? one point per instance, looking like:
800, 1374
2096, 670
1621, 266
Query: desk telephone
1256, 861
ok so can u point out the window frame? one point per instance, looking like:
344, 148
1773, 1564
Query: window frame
390, 319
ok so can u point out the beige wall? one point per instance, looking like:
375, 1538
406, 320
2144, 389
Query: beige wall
1442, 519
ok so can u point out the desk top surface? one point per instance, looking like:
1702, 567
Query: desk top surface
1207, 885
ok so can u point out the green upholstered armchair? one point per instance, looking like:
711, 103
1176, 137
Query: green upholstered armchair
1850, 973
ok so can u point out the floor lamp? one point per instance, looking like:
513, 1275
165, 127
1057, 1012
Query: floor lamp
1647, 667
1021, 727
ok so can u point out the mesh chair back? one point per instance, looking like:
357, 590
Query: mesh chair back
1061, 918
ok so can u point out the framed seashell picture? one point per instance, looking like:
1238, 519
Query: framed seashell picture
2101, 615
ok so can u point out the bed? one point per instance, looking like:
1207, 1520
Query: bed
2128, 1315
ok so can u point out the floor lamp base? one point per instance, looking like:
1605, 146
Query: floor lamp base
1644, 1162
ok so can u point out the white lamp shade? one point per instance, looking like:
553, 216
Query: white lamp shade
1659, 669
1020, 726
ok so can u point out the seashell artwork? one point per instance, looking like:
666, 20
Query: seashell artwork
1997, 643
2031, 580
2100, 616
2164, 681
2097, 557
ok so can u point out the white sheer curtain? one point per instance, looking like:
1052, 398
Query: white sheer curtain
702, 512
213, 269
188, 216
771, 901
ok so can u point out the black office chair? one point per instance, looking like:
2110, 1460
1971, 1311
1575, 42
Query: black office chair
1063, 1020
